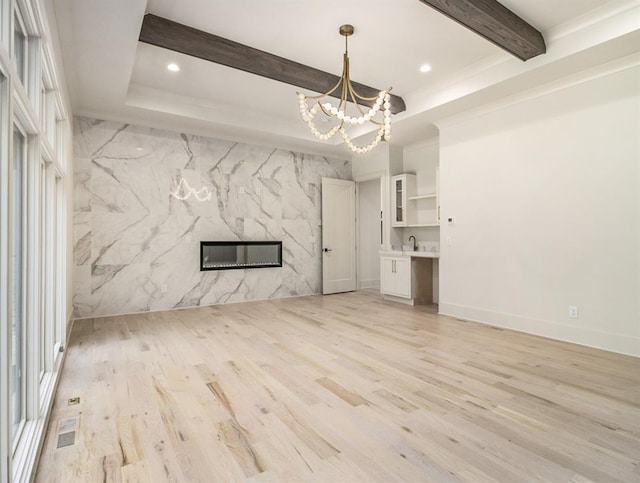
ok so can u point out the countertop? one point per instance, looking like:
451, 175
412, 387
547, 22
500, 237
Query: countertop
402, 253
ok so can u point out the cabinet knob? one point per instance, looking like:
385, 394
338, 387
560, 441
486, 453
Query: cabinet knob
327, 250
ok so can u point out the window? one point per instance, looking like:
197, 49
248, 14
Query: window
60, 265
61, 143
20, 47
17, 280
34, 137
43, 104
5, 334
3, 27
48, 315
43, 279
52, 118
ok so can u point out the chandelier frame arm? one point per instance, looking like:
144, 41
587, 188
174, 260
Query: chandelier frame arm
323, 109
344, 78
363, 98
348, 94
328, 93
354, 97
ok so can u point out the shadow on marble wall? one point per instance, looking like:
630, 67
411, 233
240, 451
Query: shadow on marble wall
132, 237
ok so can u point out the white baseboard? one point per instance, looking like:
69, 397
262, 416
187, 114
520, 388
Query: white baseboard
369, 284
609, 341
400, 300
168, 309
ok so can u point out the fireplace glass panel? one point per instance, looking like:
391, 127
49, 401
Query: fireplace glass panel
235, 255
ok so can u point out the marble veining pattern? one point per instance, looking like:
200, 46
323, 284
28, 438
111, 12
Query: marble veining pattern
132, 238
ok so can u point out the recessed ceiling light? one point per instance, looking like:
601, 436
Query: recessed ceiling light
425, 68
173, 67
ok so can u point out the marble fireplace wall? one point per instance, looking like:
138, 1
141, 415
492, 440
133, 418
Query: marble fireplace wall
137, 246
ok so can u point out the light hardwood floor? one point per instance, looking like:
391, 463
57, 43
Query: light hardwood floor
337, 388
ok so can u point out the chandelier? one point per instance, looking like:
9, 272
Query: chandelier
380, 107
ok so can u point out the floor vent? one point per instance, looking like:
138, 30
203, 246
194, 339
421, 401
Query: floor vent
67, 432
66, 439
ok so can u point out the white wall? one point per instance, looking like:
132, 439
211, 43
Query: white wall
369, 234
545, 195
423, 160
382, 162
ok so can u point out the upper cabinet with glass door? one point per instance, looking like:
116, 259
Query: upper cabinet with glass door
403, 186
412, 209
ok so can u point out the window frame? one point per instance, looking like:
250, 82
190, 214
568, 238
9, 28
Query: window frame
5, 27
43, 301
18, 18
16, 434
42, 119
5, 338
60, 327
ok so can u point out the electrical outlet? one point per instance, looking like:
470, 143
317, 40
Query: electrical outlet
573, 311
163, 288
449, 241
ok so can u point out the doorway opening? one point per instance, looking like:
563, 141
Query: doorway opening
370, 232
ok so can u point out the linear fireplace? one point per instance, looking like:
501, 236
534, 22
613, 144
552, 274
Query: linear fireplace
230, 255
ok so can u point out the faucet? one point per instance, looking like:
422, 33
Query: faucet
415, 243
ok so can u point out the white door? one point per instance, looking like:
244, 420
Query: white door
338, 235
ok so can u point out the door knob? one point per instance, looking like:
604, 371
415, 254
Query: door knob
327, 250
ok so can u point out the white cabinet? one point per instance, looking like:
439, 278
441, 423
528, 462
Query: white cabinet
407, 279
395, 276
403, 187
411, 209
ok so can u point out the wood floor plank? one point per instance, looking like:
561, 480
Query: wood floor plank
342, 392
346, 387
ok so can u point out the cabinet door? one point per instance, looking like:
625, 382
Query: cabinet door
403, 277
399, 202
387, 277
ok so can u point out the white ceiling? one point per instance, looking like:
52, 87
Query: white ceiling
113, 76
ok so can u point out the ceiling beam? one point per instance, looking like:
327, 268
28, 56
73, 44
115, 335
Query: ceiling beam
171, 35
496, 23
